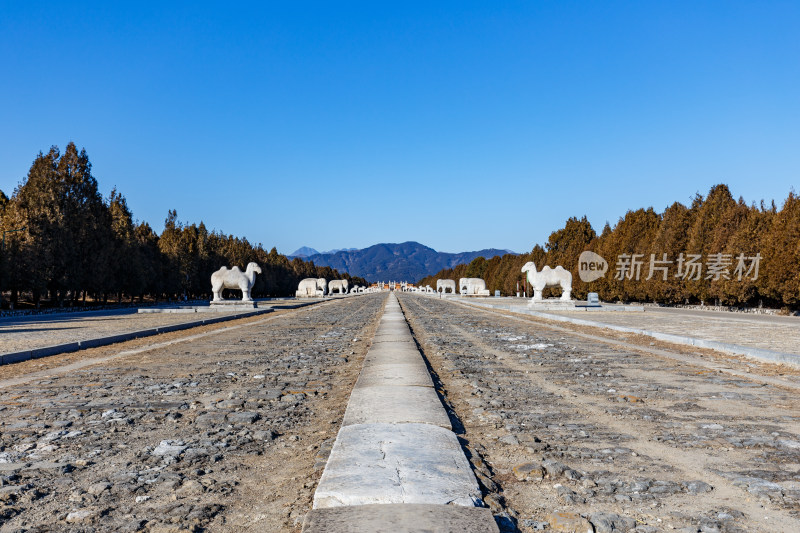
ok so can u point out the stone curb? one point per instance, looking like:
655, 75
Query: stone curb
761, 354
391, 518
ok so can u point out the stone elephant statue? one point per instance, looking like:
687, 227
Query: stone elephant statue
443, 284
472, 286
312, 287
338, 285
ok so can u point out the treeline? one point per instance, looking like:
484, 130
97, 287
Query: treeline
717, 249
64, 242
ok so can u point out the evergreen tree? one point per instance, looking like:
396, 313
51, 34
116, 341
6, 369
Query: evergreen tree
476, 268
564, 246
67, 223
779, 276
126, 262
670, 240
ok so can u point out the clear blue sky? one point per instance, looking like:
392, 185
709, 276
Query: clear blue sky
462, 125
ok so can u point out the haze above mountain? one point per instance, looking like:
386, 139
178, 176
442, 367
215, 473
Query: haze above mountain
408, 261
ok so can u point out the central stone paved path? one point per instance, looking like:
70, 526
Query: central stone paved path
396, 464
575, 434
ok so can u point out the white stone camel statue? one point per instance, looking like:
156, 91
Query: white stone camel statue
339, 285
549, 277
234, 278
444, 284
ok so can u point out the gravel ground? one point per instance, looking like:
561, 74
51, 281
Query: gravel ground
226, 432
570, 433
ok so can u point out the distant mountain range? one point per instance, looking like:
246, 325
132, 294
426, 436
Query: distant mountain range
305, 251
408, 261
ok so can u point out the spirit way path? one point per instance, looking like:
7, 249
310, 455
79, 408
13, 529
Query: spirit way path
230, 429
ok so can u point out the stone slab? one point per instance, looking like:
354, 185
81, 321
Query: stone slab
405, 334
393, 324
15, 357
393, 338
393, 353
401, 518
395, 405
395, 343
552, 305
168, 329
396, 463
232, 305
53, 350
400, 323
397, 328
412, 374
393, 317
576, 305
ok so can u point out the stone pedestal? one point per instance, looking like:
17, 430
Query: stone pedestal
552, 304
233, 305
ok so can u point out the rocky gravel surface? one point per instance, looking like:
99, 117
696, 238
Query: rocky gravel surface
566, 433
228, 432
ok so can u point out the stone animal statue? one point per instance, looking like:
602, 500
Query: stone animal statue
339, 285
471, 286
444, 284
549, 277
307, 288
311, 287
234, 278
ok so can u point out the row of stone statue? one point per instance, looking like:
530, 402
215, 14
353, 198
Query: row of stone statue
318, 287
538, 280
234, 278
466, 286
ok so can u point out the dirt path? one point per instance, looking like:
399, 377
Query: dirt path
630, 440
226, 430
